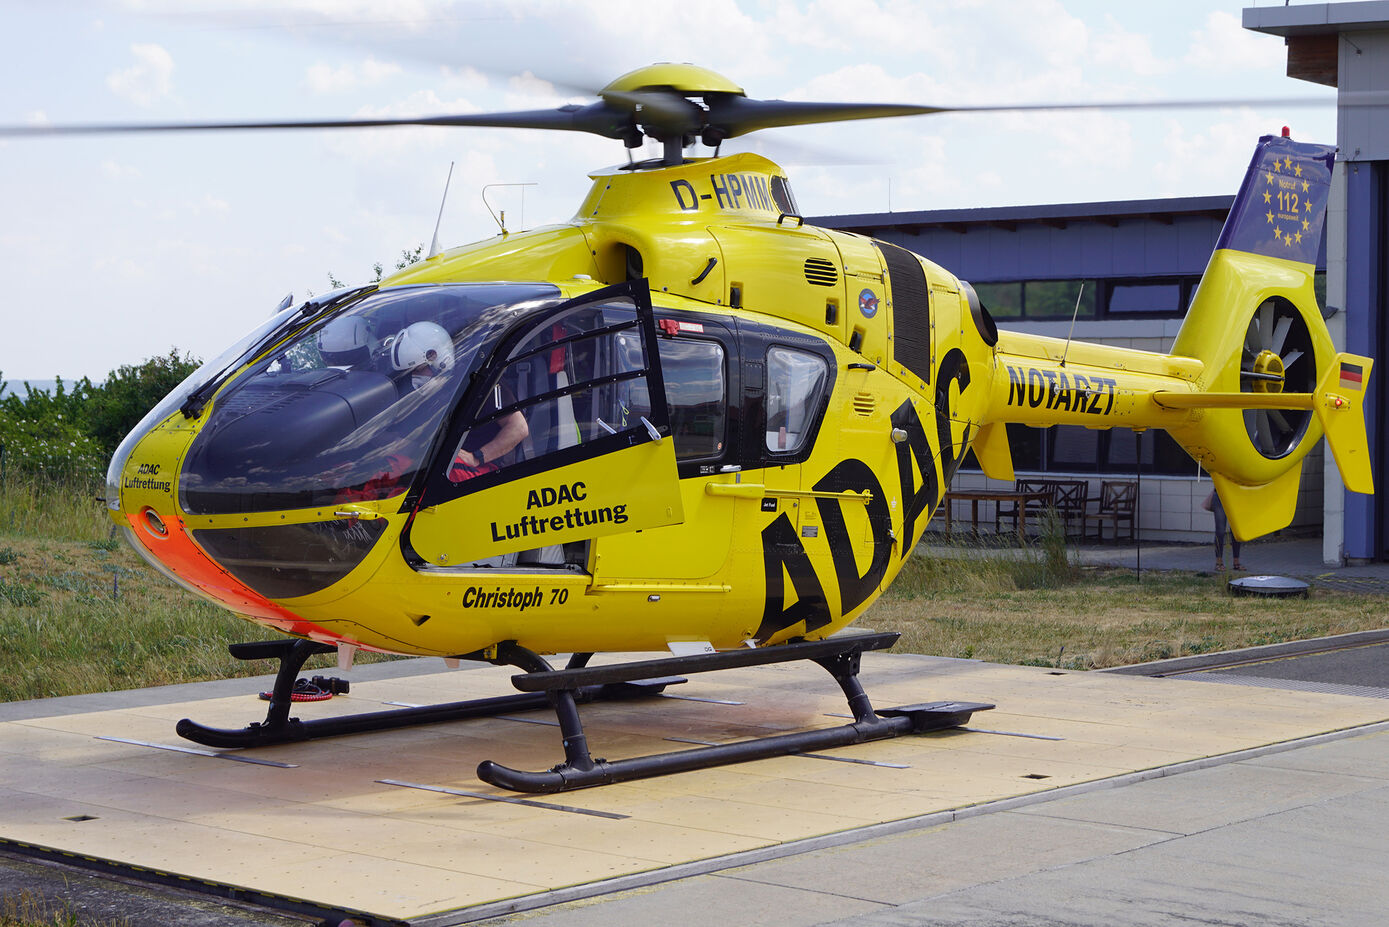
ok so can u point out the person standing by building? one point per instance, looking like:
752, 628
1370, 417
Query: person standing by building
1212, 505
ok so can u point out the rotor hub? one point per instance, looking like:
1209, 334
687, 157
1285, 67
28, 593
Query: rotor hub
1270, 368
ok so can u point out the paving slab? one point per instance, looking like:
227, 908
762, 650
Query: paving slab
338, 827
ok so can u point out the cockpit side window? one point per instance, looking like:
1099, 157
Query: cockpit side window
574, 379
795, 392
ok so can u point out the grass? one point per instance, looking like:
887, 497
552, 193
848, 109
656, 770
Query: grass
1041, 609
34, 507
29, 910
81, 612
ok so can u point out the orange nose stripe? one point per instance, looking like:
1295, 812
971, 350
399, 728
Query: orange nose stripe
177, 551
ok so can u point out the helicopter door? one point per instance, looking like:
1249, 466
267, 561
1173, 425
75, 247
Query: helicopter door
699, 362
563, 436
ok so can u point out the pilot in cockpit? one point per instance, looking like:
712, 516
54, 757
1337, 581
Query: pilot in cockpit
346, 343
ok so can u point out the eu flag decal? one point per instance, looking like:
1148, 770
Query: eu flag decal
1352, 376
1281, 205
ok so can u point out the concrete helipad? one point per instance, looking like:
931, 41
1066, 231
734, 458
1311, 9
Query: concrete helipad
393, 827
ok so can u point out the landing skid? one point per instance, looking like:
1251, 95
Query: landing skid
279, 728
564, 689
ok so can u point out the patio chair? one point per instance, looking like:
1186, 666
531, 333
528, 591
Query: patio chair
1030, 509
1118, 499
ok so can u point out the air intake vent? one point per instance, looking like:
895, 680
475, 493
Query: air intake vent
864, 404
819, 272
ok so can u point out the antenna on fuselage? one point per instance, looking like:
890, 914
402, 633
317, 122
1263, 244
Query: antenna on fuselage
1074, 312
434, 245
501, 222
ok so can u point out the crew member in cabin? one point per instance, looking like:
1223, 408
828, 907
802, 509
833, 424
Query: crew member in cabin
425, 350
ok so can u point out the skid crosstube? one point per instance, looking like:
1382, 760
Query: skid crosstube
564, 689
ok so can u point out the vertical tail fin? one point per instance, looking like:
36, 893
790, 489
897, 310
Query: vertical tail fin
1256, 327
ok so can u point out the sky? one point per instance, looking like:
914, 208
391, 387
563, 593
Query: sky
117, 248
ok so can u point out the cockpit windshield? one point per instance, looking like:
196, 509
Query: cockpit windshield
348, 410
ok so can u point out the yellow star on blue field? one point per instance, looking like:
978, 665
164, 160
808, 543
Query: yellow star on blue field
1298, 171
1267, 197
1304, 186
1299, 238
1288, 162
1270, 218
1288, 240
1277, 167
1277, 232
1306, 205
1306, 227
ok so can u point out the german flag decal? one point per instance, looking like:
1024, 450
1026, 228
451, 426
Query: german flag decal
1352, 376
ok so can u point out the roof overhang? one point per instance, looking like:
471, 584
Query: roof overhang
1312, 32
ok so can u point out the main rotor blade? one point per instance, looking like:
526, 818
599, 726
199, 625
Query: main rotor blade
1142, 105
666, 112
596, 118
736, 115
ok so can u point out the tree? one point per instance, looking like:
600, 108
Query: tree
407, 257
115, 407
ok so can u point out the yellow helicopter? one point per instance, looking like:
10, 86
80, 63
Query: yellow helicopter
684, 421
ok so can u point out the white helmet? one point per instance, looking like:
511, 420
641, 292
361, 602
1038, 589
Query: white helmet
420, 344
345, 341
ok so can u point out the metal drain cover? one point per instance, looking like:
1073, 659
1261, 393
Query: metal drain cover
1276, 586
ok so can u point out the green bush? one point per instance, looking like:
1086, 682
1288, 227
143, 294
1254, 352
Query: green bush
112, 409
43, 433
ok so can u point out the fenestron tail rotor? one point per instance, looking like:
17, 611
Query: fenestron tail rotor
1277, 358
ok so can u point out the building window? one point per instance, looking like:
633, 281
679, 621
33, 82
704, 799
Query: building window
1144, 297
1075, 449
1158, 297
1059, 299
1003, 300
1039, 299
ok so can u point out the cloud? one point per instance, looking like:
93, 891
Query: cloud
116, 171
1196, 158
1223, 44
324, 78
148, 79
1128, 51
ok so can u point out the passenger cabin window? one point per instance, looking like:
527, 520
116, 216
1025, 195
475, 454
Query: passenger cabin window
795, 385
695, 394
